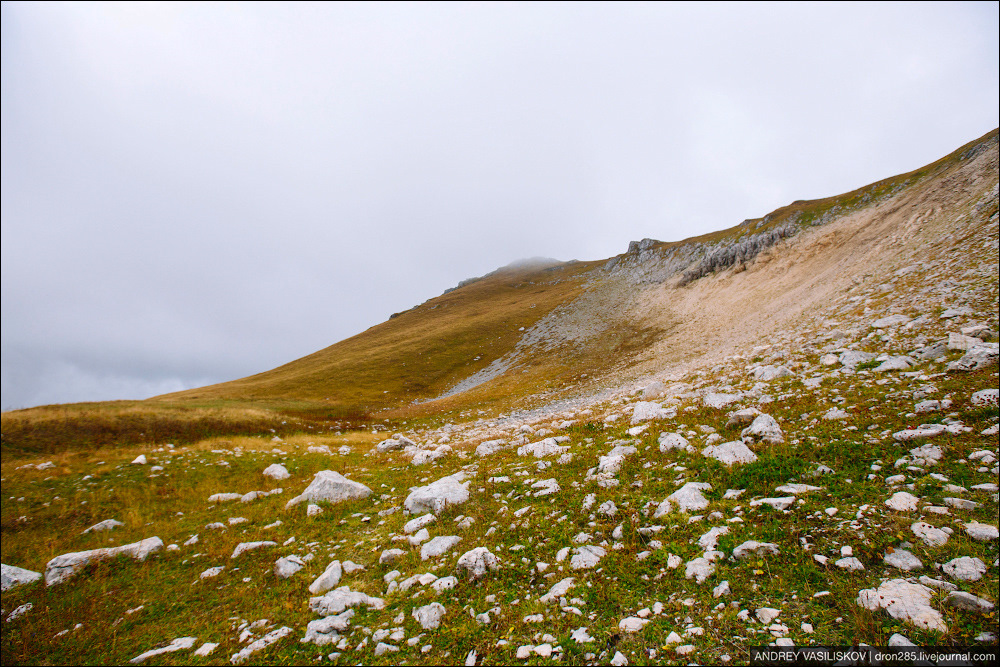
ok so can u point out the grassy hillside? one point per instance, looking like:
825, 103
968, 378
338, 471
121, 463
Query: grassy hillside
396, 369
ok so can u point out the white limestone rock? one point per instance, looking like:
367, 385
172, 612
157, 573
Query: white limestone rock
244, 547
768, 373
852, 358
931, 536
767, 614
779, 504
276, 471
545, 487
490, 447
11, 576
259, 645
436, 496
179, 644
477, 562
710, 540
890, 321
223, 497
542, 448
331, 487
687, 498
796, 489
753, 547
764, 428
419, 537
632, 624
325, 631
389, 556
670, 441
429, 616
699, 568
414, 525
850, 563
901, 501
904, 601
968, 602
139, 460
965, 568
340, 599
720, 400
744, 416
985, 397
903, 559
730, 453
206, 649
978, 356
586, 557
921, 432
107, 524
611, 462
981, 532
444, 584
439, 546
557, 591
647, 410
895, 363
63, 567
286, 566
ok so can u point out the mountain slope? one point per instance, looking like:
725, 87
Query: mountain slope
525, 330
777, 450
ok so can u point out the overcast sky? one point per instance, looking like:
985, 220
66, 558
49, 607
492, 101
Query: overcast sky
195, 193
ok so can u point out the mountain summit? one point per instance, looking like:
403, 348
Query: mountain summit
539, 326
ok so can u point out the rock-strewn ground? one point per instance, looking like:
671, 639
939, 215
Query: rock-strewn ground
820, 466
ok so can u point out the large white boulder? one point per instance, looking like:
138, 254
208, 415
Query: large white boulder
542, 448
478, 561
983, 532
436, 496
901, 501
557, 591
336, 601
730, 453
586, 557
63, 567
852, 358
768, 373
331, 487
965, 568
687, 498
719, 401
276, 471
669, 441
753, 547
977, 357
644, 411
11, 576
905, 601
429, 616
287, 566
490, 447
439, 546
764, 428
